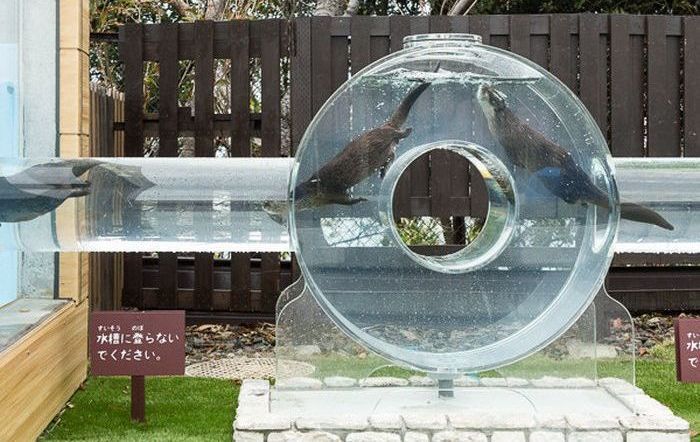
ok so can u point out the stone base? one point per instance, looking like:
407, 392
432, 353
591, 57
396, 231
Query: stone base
480, 414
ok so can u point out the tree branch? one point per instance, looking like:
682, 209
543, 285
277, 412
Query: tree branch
181, 6
462, 7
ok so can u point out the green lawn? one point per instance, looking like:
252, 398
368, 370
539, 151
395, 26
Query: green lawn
177, 409
188, 409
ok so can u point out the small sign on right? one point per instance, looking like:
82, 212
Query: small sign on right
687, 332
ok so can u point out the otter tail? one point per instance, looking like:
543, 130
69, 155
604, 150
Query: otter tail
401, 113
639, 213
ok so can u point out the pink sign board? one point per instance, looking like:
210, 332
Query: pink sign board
137, 343
687, 332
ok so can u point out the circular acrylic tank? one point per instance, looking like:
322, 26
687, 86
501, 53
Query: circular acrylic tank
543, 251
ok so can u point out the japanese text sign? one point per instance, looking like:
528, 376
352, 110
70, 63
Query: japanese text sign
137, 343
687, 349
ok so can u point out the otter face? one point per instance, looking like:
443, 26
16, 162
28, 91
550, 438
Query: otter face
491, 99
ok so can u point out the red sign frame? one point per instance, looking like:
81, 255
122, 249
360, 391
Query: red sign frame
137, 343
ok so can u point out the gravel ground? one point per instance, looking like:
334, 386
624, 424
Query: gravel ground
210, 342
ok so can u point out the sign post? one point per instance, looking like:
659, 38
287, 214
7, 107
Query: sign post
137, 344
687, 331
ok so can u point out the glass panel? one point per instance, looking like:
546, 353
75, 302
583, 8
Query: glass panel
9, 128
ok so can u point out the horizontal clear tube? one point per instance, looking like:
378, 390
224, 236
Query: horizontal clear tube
238, 204
669, 186
137, 204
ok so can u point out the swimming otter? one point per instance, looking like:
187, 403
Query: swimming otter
366, 154
550, 163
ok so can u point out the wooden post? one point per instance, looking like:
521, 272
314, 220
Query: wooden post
138, 398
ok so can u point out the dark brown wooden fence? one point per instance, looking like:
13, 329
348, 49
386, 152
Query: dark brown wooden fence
638, 75
106, 269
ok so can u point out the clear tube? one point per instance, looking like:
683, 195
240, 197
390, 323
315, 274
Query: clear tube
137, 204
238, 204
669, 186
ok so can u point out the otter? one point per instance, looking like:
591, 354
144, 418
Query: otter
369, 153
550, 163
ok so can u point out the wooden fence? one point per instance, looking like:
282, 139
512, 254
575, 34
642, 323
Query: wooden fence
638, 75
106, 269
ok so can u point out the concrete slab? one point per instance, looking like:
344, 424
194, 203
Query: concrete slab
398, 400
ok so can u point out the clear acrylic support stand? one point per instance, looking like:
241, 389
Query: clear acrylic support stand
314, 354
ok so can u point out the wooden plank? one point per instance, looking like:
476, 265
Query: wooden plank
240, 282
481, 25
132, 54
269, 285
168, 86
500, 31
41, 372
270, 88
301, 80
399, 27
340, 64
592, 69
203, 274
240, 89
204, 147
360, 43
204, 90
562, 52
520, 34
167, 272
132, 295
691, 86
663, 73
626, 91
321, 61
437, 100
419, 176
239, 295
168, 131
221, 45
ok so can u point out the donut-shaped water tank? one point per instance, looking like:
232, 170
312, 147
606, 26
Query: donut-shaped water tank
545, 245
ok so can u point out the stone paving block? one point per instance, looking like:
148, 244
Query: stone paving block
413, 436
492, 420
339, 382
590, 422
386, 421
267, 421
551, 421
620, 388
285, 436
369, 436
596, 436
508, 436
644, 404
648, 436
547, 436
459, 436
554, 382
425, 421
493, 382
467, 381
517, 382
385, 381
658, 423
254, 387
341, 422
422, 381
247, 436
295, 436
299, 383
